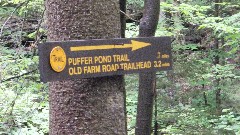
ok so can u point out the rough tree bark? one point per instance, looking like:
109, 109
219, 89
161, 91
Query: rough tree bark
85, 106
147, 81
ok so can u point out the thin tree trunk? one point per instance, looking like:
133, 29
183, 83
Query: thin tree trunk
147, 81
85, 106
217, 61
205, 99
148, 24
122, 4
122, 17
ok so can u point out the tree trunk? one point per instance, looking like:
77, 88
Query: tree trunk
217, 61
147, 81
122, 17
85, 106
122, 4
148, 24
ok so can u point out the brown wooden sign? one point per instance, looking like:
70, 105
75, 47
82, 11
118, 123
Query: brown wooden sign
105, 57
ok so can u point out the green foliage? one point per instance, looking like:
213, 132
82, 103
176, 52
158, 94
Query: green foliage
131, 30
23, 99
19, 18
229, 122
131, 102
184, 120
33, 8
188, 13
192, 96
186, 47
25, 8
135, 4
34, 34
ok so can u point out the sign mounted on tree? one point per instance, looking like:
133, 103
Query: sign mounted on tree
104, 57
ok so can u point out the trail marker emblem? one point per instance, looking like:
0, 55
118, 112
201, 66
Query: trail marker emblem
58, 59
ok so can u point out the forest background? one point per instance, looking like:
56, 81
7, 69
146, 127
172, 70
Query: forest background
199, 96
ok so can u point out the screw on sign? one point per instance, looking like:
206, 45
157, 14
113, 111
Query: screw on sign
106, 57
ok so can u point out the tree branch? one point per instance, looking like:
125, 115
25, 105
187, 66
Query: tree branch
37, 38
129, 16
9, 79
17, 7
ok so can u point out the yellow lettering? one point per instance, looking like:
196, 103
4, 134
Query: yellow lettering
110, 68
70, 71
91, 69
166, 64
102, 59
75, 70
136, 65
80, 61
157, 64
165, 56
148, 64
121, 58
70, 61
158, 55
